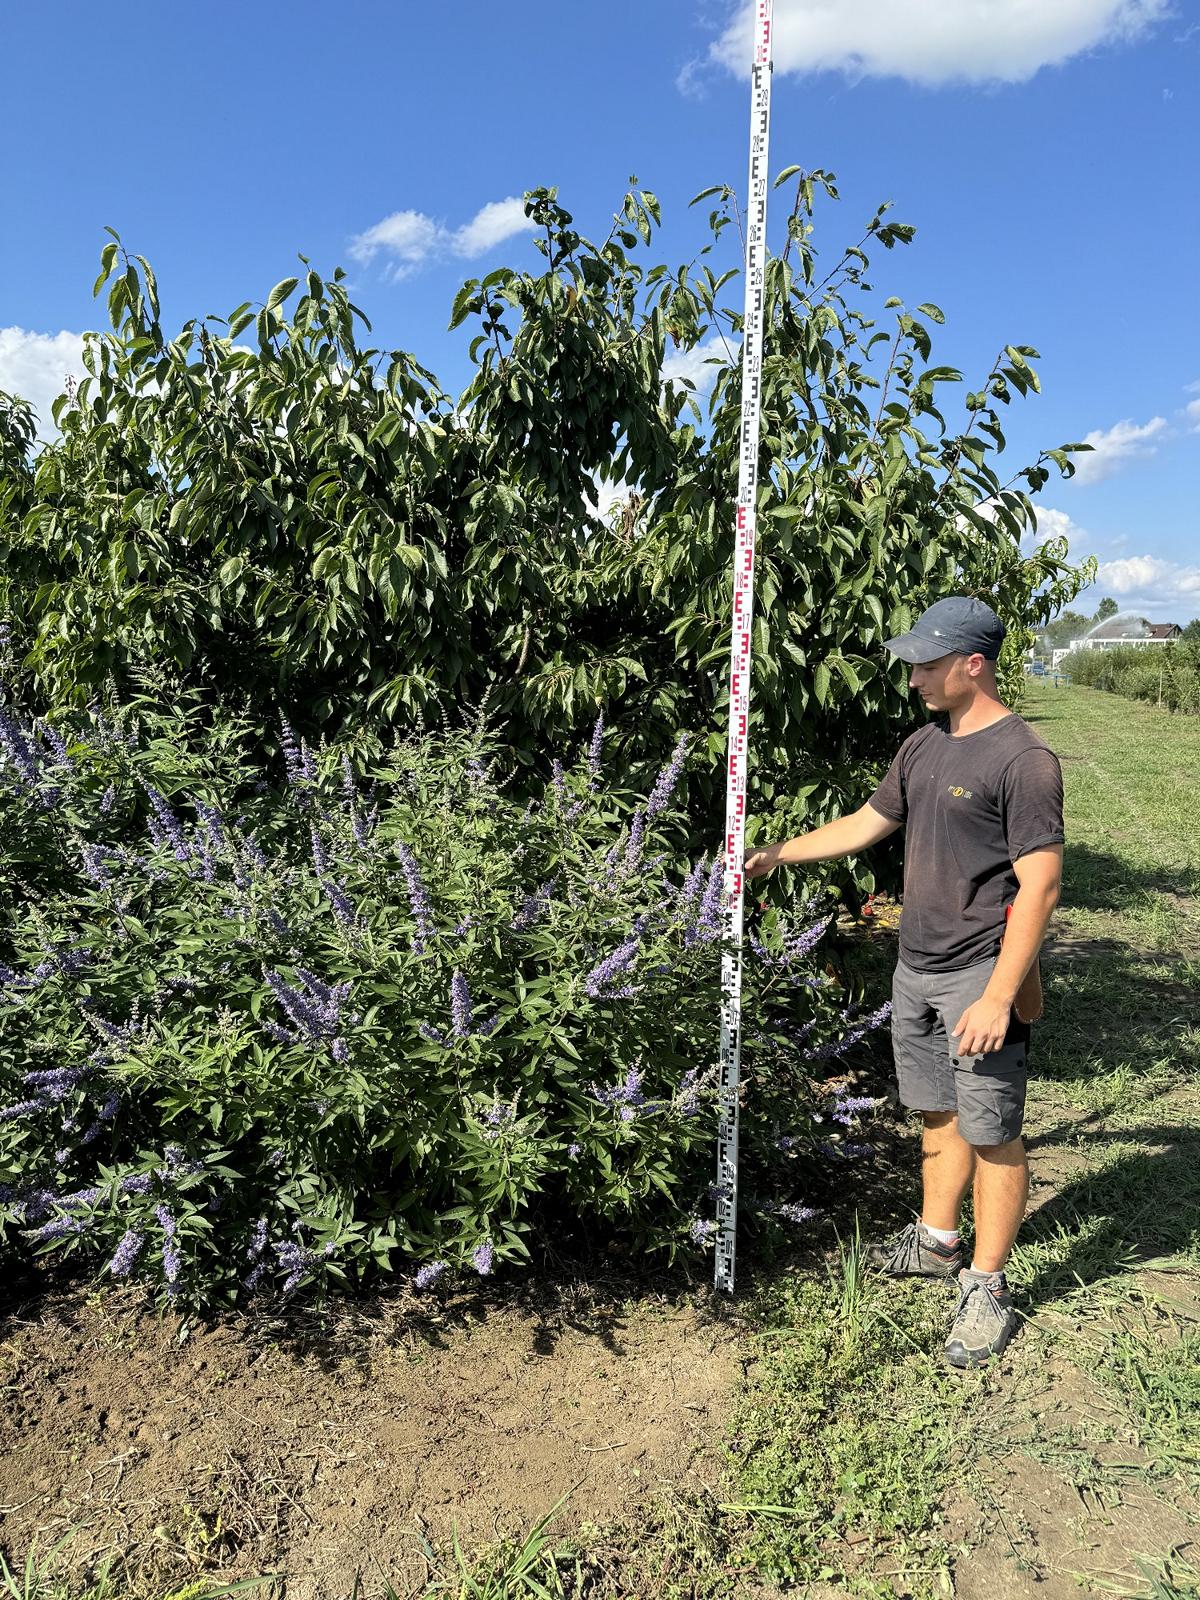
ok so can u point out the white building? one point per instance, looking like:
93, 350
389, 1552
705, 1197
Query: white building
1118, 632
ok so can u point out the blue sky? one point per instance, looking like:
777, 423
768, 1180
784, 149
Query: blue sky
1044, 151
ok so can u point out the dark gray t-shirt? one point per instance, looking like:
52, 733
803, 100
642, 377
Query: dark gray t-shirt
972, 804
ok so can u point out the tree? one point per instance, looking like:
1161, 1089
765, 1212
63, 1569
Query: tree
312, 521
1065, 629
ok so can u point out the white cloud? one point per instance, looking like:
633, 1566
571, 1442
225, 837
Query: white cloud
933, 42
1163, 591
696, 364
491, 225
1112, 448
35, 365
1137, 574
1192, 411
1054, 524
1051, 524
408, 238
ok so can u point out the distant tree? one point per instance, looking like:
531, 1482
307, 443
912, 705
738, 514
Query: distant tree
1192, 630
1108, 607
1066, 627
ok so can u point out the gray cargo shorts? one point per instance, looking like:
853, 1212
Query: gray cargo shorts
987, 1091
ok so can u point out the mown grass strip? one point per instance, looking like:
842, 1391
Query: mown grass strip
844, 1443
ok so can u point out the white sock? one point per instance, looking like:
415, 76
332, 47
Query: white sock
944, 1235
986, 1272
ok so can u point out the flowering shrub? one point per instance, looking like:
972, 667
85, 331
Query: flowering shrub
381, 1016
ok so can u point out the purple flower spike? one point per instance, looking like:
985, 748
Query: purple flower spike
59, 1228
668, 778
709, 922
596, 748
127, 1253
687, 1100
429, 1274
793, 1213
534, 906
166, 828
418, 898
460, 1006
93, 865
291, 754
601, 983
483, 1258
691, 886
344, 908
171, 1257
314, 1010
319, 853
850, 1107
636, 843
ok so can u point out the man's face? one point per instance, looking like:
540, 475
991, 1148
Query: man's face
947, 682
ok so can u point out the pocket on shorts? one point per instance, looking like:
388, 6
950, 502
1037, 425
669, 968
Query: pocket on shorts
991, 1096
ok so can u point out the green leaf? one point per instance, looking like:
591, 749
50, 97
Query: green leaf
280, 292
108, 258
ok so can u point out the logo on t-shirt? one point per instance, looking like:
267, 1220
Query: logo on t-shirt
958, 792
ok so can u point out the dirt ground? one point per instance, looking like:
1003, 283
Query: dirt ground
228, 1451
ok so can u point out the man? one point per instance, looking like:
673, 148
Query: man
980, 797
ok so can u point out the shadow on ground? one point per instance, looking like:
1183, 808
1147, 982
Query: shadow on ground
1098, 880
1115, 1219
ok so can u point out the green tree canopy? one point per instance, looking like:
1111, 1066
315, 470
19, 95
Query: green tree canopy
268, 504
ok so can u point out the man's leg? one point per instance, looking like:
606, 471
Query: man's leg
1001, 1190
947, 1165
926, 1084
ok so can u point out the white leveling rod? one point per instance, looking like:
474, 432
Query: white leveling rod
739, 650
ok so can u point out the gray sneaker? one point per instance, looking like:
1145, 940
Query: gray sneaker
915, 1253
984, 1319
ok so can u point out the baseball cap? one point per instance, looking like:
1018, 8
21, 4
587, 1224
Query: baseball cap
957, 625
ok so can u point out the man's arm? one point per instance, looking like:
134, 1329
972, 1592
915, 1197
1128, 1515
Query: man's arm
982, 1026
845, 837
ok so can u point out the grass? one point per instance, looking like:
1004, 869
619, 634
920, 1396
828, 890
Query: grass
830, 1486
37, 1579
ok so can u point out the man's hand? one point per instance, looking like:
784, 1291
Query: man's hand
759, 862
982, 1026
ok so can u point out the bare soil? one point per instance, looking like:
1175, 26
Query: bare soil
318, 1450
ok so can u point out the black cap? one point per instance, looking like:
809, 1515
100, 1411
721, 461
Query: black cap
957, 625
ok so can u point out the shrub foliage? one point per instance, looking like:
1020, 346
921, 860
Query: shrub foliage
1168, 675
388, 1017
